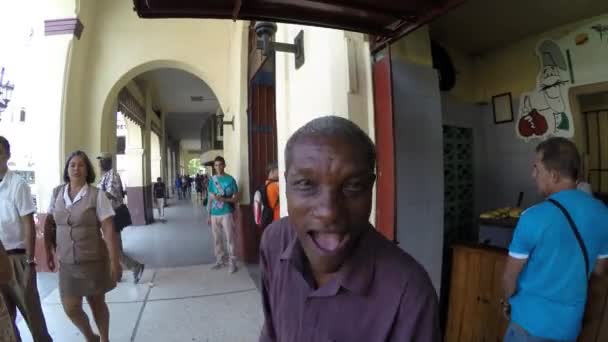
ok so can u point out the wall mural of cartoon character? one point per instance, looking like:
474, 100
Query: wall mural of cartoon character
546, 111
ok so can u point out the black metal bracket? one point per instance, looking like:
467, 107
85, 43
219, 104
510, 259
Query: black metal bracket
297, 48
227, 123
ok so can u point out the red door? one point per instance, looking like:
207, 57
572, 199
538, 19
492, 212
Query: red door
385, 144
262, 133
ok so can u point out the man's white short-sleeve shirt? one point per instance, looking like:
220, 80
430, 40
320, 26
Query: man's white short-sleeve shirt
15, 202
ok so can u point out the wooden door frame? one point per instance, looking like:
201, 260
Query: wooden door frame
393, 230
252, 184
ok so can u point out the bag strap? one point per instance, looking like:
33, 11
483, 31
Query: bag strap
576, 233
218, 186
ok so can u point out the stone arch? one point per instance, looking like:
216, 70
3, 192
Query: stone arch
107, 122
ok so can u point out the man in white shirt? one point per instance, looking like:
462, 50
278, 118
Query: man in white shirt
18, 235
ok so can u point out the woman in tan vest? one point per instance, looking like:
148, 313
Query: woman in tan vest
79, 229
7, 330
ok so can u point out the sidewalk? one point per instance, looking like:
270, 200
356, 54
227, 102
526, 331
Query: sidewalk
179, 297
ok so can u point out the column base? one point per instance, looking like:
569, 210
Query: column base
140, 204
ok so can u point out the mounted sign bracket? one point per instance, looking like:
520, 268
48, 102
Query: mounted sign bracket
221, 122
266, 30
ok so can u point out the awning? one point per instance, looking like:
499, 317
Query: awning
388, 20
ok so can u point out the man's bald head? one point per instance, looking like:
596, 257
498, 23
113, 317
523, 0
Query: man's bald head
333, 127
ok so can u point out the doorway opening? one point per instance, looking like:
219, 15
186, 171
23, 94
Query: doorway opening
594, 113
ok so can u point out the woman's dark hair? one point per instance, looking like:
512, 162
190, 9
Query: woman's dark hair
87, 162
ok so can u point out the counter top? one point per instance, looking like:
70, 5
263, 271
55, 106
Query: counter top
480, 246
508, 222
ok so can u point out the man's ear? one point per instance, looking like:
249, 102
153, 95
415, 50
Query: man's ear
556, 177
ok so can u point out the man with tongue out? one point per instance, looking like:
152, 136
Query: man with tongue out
327, 274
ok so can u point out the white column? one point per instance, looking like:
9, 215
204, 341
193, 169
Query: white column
334, 80
155, 157
134, 155
46, 108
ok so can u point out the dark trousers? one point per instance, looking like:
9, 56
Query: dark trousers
22, 293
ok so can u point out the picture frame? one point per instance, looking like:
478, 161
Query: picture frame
502, 105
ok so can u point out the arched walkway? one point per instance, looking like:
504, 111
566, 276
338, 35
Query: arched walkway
179, 297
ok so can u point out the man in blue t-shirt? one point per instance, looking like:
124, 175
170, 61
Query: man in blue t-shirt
223, 197
545, 277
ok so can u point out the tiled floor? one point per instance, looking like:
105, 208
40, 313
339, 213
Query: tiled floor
179, 297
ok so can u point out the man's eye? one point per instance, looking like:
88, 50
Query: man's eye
354, 187
303, 184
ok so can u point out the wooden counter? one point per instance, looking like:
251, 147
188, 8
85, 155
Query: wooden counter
507, 222
475, 313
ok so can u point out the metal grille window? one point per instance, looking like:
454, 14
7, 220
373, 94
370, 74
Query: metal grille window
596, 124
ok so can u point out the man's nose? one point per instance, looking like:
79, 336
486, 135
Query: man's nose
329, 206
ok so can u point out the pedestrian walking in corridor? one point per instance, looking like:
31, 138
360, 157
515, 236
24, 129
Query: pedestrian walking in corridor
80, 230
18, 235
327, 274
178, 186
556, 246
223, 197
111, 184
160, 195
272, 191
185, 186
198, 184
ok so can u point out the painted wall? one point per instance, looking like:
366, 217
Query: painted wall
44, 82
419, 164
156, 170
465, 89
335, 80
236, 150
415, 48
502, 162
518, 66
419, 152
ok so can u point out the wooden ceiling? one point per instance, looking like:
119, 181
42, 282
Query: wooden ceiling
386, 19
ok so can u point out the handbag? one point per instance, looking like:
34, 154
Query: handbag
50, 227
122, 218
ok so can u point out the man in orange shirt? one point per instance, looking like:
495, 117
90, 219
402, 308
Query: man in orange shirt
272, 190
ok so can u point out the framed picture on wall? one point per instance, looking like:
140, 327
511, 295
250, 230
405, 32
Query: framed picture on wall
503, 108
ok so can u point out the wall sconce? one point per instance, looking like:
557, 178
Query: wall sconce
265, 31
220, 117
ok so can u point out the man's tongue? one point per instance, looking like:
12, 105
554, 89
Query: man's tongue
327, 241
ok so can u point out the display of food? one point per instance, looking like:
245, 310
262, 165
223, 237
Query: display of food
501, 213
